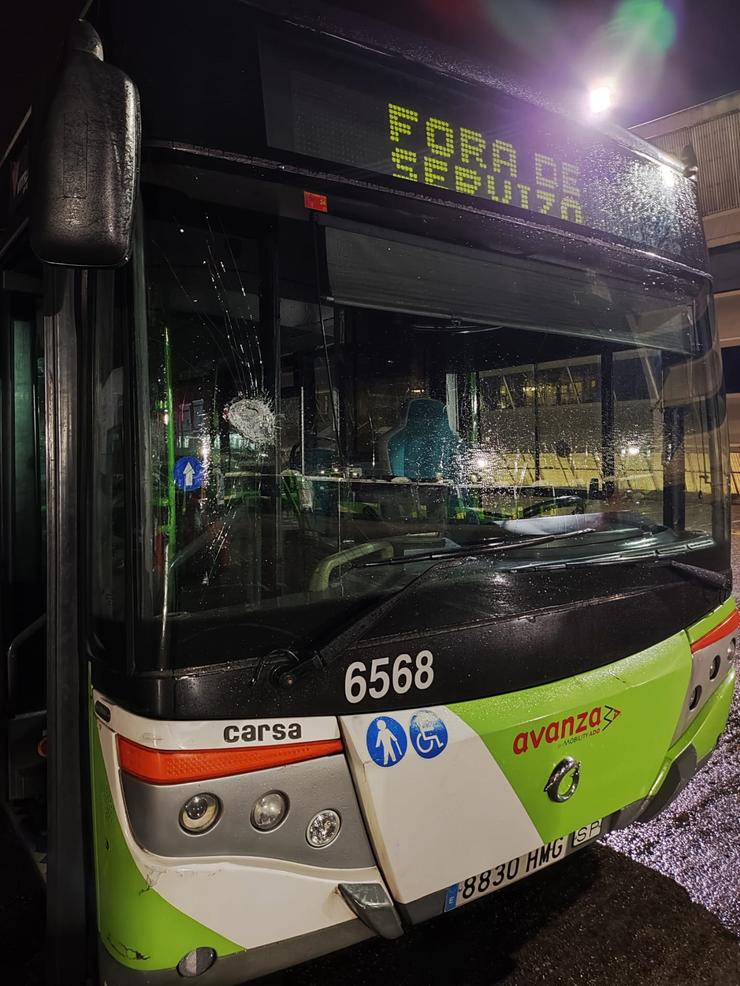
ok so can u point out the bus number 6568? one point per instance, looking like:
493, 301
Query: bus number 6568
376, 681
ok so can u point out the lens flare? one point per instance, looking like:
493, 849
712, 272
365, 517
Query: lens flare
647, 24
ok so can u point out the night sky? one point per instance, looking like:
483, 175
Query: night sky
663, 54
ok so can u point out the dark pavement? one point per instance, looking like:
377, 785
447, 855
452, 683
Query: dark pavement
597, 918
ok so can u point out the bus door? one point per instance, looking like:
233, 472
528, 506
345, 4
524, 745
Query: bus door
22, 526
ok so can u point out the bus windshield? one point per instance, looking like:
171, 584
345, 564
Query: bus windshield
322, 398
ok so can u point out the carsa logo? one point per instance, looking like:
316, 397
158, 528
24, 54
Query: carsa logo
569, 730
263, 732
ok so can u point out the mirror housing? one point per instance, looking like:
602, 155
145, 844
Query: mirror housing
85, 169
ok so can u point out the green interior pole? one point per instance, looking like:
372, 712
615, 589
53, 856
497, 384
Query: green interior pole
171, 491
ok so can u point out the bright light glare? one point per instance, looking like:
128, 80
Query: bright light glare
601, 99
668, 175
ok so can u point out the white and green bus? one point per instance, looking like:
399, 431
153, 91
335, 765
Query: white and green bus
365, 516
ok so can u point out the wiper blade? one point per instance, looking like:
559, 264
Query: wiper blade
479, 548
316, 656
718, 580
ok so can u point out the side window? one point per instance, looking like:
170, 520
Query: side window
22, 467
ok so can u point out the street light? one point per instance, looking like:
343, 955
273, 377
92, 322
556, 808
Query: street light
601, 98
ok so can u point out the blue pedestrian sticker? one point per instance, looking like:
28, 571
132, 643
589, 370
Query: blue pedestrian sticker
188, 474
428, 734
451, 898
386, 741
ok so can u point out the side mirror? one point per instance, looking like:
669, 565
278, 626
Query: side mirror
85, 169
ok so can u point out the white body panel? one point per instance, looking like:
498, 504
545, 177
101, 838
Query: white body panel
435, 821
170, 734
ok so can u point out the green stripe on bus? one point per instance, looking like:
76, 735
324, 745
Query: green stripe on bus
618, 721
137, 925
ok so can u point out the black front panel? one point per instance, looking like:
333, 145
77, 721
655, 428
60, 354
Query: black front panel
534, 639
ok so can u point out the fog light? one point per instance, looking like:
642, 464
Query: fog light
269, 811
714, 670
731, 649
695, 696
200, 813
197, 962
323, 829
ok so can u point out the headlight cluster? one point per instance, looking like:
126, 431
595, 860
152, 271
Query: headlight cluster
201, 812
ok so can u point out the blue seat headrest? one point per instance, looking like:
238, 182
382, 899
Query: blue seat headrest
425, 410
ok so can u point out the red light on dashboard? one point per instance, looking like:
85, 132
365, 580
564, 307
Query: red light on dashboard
312, 200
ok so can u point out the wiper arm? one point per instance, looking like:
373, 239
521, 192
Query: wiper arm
479, 548
701, 574
320, 655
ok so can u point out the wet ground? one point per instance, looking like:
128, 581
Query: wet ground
654, 905
597, 918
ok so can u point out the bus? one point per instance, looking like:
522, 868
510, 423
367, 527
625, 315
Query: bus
365, 504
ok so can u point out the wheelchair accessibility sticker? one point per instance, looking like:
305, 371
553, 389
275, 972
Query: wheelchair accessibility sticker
428, 734
386, 741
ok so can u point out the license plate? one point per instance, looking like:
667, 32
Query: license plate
502, 874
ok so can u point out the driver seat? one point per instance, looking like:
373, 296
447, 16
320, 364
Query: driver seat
423, 446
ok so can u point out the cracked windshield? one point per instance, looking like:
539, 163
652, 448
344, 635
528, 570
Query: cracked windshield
329, 403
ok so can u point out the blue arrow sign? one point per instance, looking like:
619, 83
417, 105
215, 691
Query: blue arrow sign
188, 474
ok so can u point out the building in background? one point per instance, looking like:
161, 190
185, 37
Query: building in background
712, 131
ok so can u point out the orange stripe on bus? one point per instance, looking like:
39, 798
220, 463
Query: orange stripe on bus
180, 766
732, 622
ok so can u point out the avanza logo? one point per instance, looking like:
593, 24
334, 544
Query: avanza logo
570, 729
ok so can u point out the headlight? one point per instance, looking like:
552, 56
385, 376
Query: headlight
269, 811
200, 813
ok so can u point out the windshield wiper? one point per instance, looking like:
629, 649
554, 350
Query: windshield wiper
698, 573
316, 656
478, 548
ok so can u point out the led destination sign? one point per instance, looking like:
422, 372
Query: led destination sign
444, 137
439, 153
